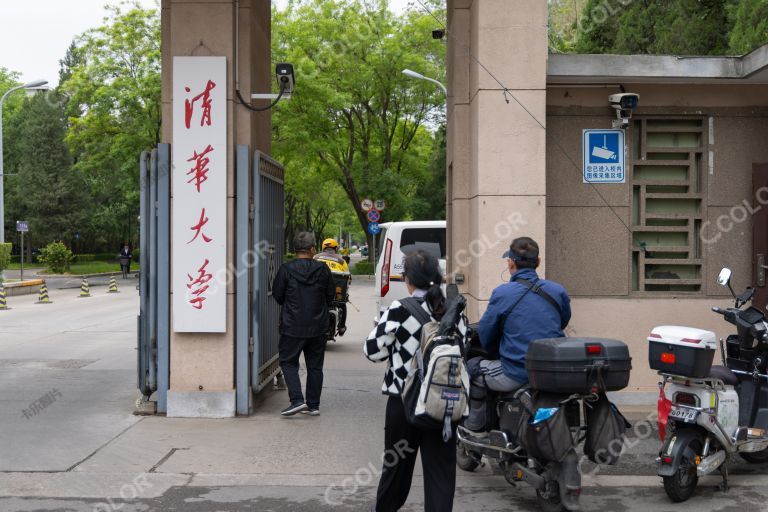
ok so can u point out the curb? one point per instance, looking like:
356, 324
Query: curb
86, 276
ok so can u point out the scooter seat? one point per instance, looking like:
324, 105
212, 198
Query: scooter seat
724, 374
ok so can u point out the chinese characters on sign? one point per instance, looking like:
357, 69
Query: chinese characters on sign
603, 160
199, 181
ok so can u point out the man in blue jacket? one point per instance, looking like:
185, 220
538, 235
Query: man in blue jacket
526, 308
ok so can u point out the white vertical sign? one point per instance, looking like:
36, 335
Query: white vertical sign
199, 180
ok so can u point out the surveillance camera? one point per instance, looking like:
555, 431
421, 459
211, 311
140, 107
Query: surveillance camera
438, 34
624, 104
285, 78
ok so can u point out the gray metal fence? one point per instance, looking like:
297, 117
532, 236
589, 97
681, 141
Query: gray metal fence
260, 247
153, 337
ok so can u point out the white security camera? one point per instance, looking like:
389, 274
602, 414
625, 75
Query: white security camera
285, 79
624, 104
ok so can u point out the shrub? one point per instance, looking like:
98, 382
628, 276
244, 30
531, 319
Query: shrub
5, 255
56, 256
363, 268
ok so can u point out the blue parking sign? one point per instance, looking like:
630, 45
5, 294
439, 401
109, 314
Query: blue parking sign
603, 160
374, 228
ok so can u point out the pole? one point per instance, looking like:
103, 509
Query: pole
22, 255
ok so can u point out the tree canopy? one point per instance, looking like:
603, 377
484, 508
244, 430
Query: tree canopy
674, 27
356, 125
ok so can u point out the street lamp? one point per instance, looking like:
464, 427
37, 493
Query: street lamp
35, 84
419, 76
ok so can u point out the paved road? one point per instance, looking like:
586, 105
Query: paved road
86, 451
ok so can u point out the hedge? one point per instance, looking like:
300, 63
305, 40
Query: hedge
363, 268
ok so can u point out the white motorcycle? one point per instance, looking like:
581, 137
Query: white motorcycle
716, 411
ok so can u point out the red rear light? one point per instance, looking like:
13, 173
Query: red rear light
385, 268
654, 335
594, 350
686, 399
690, 340
666, 460
668, 358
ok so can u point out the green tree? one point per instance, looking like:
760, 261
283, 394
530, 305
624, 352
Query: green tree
750, 25
676, 27
112, 78
11, 107
356, 119
48, 191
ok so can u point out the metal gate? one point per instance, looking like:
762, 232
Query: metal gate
260, 247
154, 270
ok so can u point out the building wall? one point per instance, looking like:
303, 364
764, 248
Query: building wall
588, 245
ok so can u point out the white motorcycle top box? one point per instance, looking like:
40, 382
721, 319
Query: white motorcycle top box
684, 351
684, 336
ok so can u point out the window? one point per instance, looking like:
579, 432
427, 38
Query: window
667, 201
431, 240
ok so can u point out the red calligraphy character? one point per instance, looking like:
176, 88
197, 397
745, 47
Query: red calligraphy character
200, 282
189, 105
198, 228
200, 169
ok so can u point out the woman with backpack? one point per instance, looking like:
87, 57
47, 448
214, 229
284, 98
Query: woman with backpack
396, 339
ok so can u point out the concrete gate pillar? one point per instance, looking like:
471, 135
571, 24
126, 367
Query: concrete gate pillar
202, 379
496, 146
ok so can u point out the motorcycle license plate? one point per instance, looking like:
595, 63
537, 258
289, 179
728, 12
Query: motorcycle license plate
684, 415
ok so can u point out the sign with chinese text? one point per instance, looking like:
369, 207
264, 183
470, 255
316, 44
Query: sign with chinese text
22, 226
199, 181
603, 160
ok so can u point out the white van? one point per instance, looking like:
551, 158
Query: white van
394, 242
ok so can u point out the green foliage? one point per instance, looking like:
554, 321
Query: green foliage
356, 128
362, 268
112, 77
750, 25
5, 255
82, 258
46, 190
56, 257
676, 27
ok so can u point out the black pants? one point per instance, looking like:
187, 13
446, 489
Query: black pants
314, 354
401, 445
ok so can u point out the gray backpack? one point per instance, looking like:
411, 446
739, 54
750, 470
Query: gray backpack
436, 392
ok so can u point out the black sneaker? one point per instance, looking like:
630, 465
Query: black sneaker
310, 411
293, 409
342, 330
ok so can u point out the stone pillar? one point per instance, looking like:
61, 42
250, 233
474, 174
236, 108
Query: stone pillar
202, 380
496, 146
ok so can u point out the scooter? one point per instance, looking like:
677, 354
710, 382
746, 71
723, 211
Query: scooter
342, 278
557, 484
716, 411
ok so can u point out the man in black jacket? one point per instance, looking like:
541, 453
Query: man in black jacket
304, 288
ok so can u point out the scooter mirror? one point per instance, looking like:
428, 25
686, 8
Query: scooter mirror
725, 277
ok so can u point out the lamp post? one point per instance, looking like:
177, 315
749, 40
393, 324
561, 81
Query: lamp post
419, 76
35, 84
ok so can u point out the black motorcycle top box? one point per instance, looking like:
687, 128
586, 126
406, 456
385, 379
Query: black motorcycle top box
578, 365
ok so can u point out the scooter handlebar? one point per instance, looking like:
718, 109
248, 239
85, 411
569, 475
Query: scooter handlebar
718, 311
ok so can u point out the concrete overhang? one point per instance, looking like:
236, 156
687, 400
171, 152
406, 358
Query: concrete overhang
580, 69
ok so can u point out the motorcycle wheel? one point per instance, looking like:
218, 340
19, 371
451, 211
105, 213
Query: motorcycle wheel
680, 486
466, 460
549, 499
755, 457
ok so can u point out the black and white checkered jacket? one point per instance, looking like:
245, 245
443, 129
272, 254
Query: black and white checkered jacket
396, 339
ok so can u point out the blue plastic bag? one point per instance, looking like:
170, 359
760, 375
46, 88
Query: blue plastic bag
543, 414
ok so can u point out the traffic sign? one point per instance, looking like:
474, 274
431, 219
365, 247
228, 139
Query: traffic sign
374, 215
374, 228
603, 160
380, 204
366, 204
22, 226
